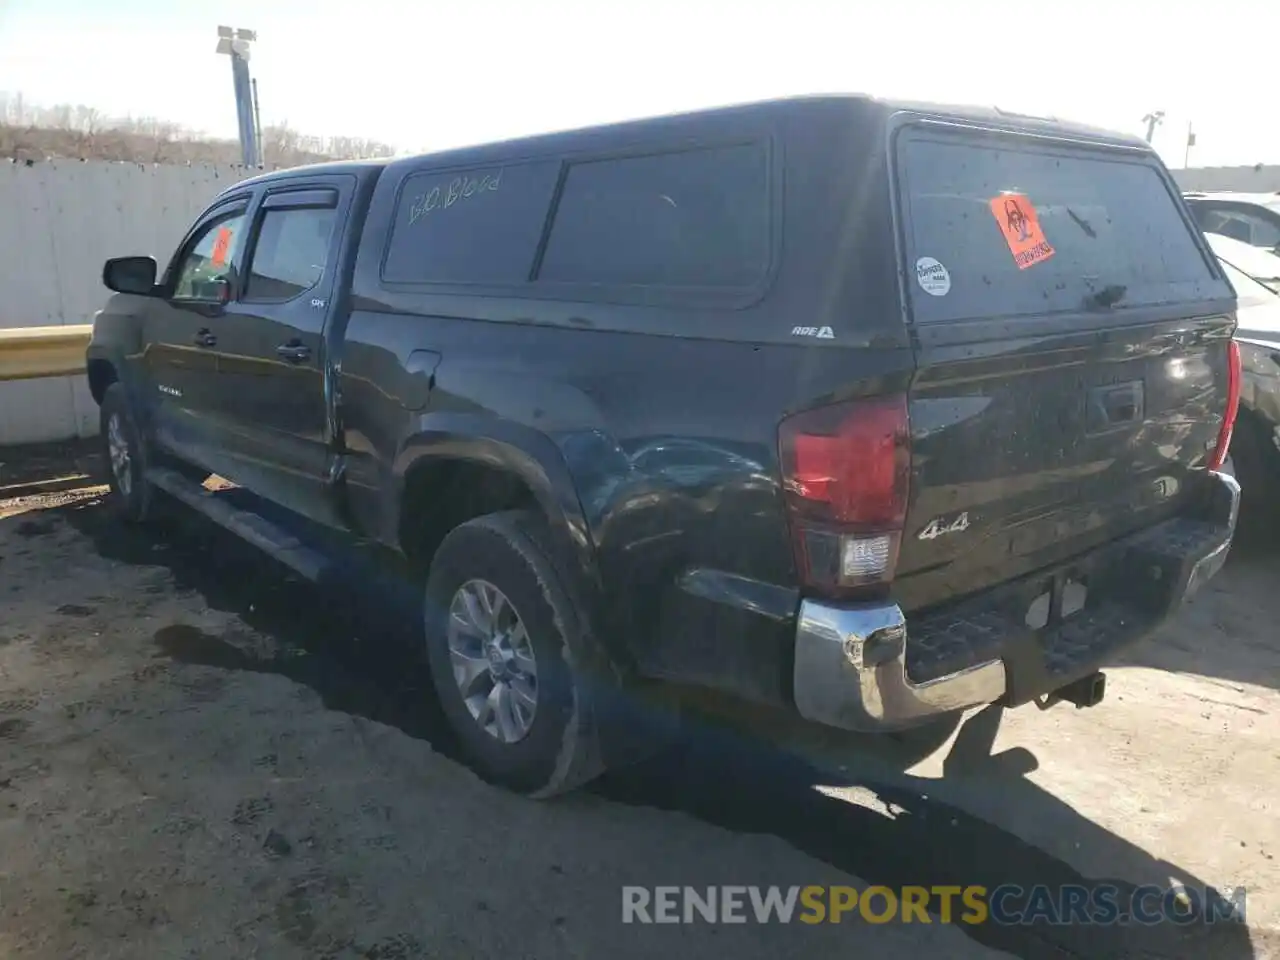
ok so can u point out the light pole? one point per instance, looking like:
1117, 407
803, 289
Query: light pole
236, 44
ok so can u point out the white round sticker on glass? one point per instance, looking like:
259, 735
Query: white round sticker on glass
933, 277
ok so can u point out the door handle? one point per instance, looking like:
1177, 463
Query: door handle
293, 352
205, 338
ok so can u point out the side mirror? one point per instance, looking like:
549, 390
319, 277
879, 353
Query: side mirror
135, 275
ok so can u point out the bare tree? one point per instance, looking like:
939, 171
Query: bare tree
29, 132
281, 145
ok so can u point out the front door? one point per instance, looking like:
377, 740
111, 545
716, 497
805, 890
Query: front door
182, 332
272, 352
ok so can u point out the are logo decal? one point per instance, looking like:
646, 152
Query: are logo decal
822, 333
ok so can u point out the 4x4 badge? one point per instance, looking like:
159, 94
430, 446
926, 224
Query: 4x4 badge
937, 528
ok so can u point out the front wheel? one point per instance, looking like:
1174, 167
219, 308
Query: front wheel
501, 631
131, 494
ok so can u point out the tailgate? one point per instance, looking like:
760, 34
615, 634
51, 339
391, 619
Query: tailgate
1071, 354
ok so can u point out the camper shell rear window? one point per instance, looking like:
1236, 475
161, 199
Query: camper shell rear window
997, 227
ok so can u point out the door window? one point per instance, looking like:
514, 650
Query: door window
291, 253
211, 259
1237, 228
1243, 226
1262, 232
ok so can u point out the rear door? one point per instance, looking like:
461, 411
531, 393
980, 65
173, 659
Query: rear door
1071, 335
272, 355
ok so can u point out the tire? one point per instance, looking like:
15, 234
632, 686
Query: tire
559, 748
131, 496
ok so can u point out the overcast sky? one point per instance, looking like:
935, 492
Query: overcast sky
430, 75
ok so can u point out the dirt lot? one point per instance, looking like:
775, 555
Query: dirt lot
202, 757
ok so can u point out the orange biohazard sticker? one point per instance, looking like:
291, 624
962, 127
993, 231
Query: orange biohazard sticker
221, 244
1021, 228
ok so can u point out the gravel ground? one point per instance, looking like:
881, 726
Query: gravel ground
201, 756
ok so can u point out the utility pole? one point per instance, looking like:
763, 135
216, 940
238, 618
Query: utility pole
236, 44
257, 126
1191, 142
1152, 120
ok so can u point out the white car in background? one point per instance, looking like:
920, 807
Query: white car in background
1255, 444
1252, 218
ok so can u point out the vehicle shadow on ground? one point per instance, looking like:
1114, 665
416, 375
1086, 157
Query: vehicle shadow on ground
1227, 631
353, 641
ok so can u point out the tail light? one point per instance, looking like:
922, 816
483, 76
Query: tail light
845, 472
1233, 405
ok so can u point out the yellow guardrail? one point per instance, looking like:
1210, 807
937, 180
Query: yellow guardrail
27, 353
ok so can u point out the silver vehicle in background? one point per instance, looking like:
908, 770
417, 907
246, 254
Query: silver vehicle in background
1252, 218
1255, 444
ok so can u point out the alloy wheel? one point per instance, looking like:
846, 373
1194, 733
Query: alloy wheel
493, 661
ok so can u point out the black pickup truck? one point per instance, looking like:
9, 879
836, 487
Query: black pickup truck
872, 411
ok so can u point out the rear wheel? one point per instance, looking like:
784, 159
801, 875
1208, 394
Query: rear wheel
131, 495
501, 634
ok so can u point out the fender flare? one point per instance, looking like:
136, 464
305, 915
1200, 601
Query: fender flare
123, 356
528, 454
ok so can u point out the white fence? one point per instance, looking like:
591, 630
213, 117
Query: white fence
1259, 178
59, 220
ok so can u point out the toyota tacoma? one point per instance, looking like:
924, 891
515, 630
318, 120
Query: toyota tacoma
867, 410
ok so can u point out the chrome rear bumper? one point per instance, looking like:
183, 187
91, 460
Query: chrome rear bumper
851, 661
851, 672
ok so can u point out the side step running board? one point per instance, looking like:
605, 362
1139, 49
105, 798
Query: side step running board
257, 530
